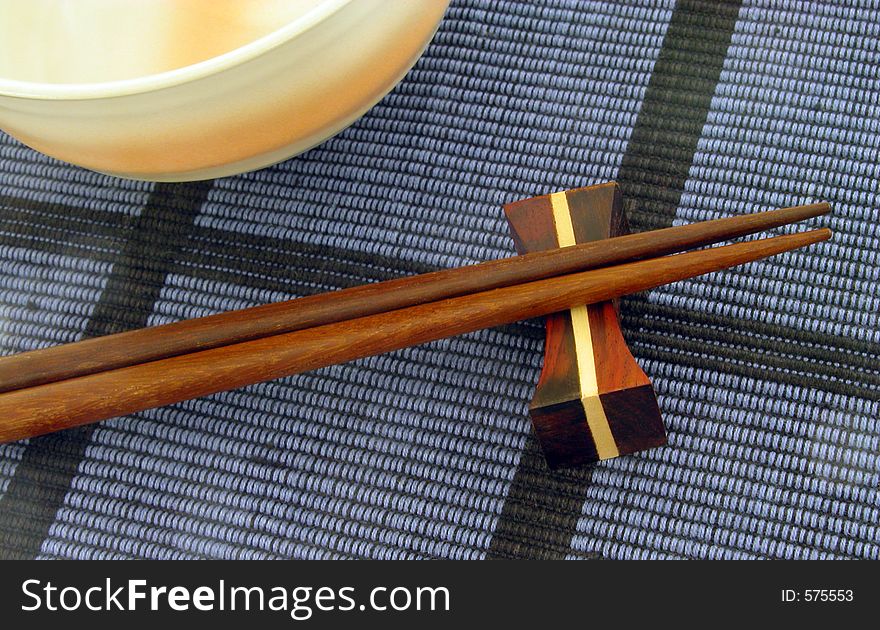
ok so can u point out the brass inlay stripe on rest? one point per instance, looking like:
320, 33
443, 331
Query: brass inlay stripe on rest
606, 447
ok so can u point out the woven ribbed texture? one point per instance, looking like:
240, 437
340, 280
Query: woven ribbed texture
767, 376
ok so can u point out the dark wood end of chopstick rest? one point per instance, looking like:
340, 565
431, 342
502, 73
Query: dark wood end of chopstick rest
592, 401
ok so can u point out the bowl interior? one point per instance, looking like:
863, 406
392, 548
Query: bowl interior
62, 42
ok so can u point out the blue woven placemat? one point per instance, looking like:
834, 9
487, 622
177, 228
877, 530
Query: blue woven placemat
768, 375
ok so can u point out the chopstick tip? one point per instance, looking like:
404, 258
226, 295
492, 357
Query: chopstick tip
823, 207
811, 237
812, 210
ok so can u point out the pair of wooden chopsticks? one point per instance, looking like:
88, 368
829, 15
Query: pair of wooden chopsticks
87, 381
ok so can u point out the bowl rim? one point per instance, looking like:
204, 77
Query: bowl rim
177, 76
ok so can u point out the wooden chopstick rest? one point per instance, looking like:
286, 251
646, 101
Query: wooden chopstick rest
592, 401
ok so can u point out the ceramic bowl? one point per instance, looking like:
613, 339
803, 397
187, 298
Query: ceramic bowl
247, 108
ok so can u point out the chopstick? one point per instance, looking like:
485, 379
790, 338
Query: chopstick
111, 352
67, 403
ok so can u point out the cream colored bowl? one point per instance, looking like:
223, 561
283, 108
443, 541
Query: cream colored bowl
184, 101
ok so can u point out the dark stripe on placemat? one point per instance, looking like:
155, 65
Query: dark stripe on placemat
652, 174
541, 510
284, 264
753, 349
49, 463
89, 233
664, 140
